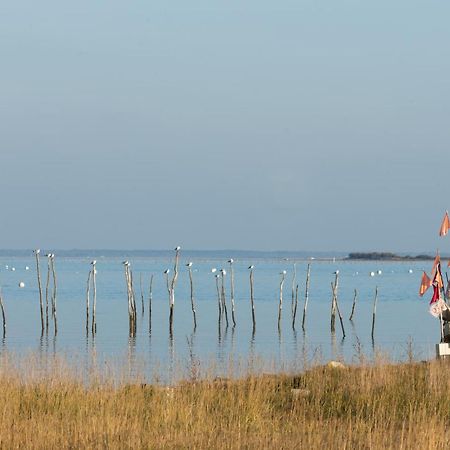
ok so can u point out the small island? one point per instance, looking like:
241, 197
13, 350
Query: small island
385, 256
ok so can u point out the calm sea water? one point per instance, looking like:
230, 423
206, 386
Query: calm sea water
402, 318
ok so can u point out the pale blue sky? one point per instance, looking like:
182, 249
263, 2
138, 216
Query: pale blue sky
306, 125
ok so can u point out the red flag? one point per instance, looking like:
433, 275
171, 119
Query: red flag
445, 225
435, 297
424, 284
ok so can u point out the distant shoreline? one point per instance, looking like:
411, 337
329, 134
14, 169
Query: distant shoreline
385, 256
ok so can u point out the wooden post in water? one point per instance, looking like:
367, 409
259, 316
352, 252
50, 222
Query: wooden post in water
94, 297
142, 293
172, 288
219, 298
252, 300
191, 281
374, 313
88, 298
3, 314
308, 273
133, 302
150, 298
54, 293
334, 289
280, 304
224, 298
36, 253
295, 307
294, 279
47, 288
353, 305
233, 317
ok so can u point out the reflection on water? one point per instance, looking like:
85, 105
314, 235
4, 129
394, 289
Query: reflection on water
157, 352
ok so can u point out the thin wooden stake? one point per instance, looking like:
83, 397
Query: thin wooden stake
337, 308
36, 252
191, 281
294, 279
224, 298
172, 289
252, 300
233, 317
334, 288
353, 305
142, 293
3, 314
88, 297
150, 298
295, 307
54, 294
94, 298
280, 304
308, 273
374, 313
219, 298
47, 286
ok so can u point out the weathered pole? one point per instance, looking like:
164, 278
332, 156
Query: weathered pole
308, 273
374, 313
334, 289
233, 317
47, 288
353, 305
36, 253
191, 281
150, 298
94, 297
172, 288
88, 297
294, 279
3, 314
224, 298
280, 304
54, 293
252, 300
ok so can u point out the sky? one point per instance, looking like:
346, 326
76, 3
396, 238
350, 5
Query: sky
259, 125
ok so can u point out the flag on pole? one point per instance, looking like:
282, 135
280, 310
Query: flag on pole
436, 261
438, 277
436, 296
445, 225
424, 284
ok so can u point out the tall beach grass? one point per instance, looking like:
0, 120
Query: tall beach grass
379, 405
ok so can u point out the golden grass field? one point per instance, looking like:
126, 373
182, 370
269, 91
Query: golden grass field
397, 406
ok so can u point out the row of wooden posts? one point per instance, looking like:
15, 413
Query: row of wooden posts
91, 324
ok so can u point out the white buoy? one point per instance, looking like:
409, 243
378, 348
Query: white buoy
21, 284
379, 272
27, 268
372, 274
13, 269
410, 271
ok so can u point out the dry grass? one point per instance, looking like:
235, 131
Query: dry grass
379, 406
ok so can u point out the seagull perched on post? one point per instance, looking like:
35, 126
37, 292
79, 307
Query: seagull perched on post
189, 264
125, 263
231, 261
167, 271
251, 267
223, 272
37, 251
213, 270
94, 262
178, 248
